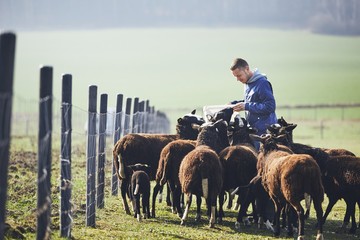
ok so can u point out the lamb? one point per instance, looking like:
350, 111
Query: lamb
201, 171
146, 148
140, 187
168, 171
287, 177
238, 161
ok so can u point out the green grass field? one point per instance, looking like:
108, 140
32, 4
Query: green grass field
112, 222
177, 70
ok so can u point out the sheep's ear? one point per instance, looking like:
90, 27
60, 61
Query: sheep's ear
290, 127
251, 130
255, 137
179, 120
281, 136
195, 126
193, 111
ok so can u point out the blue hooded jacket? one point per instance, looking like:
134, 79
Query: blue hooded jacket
259, 102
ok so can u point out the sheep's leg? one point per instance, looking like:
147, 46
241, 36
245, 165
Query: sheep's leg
161, 193
301, 219
212, 217
289, 216
307, 205
137, 207
171, 190
168, 192
123, 187
278, 208
146, 205
155, 193
330, 205
352, 230
176, 200
230, 201
186, 212
221, 202
319, 213
198, 208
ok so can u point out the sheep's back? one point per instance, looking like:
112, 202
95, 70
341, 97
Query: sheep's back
345, 170
293, 175
171, 157
141, 148
200, 163
239, 165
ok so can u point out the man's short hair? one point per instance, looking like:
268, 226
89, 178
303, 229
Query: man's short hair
239, 63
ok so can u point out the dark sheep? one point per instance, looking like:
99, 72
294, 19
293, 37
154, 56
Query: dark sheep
201, 171
140, 188
342, 180
238, 161
287, 177
146, 148
168, 171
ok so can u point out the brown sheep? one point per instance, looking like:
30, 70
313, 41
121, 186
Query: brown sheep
168, 171
146, 148
238, 161
287, 177
201, 171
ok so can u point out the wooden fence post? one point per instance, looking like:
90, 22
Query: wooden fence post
117, 135
101, 151
65, 157
141, 119
7, 59
91, 157
127, 127
135, 125
44, 154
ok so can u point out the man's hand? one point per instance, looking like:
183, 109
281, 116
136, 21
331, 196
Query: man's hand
239, 107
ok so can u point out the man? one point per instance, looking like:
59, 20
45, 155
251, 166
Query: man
259, 101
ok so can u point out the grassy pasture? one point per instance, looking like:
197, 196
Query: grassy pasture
112, 222
178, 70
189, 68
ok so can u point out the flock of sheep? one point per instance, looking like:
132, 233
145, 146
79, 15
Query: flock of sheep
212, 159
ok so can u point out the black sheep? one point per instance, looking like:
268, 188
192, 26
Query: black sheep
140, 188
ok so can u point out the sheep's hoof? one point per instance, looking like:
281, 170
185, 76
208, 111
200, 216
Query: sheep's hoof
269, 226
182, 223
307, 214
219, 220
300, 238
237, 226
247, 222
179, 215
173, 210
319, 236
197, 218
211, 225
236, 207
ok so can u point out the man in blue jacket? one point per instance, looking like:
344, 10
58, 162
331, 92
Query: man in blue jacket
259, 102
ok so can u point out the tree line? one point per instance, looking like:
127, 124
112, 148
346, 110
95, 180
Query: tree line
322, 16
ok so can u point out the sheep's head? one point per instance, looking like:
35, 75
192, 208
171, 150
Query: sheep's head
269, 142
224, 114
239, 131
188, 126
214, 135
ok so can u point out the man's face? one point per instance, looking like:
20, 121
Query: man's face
241, 74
